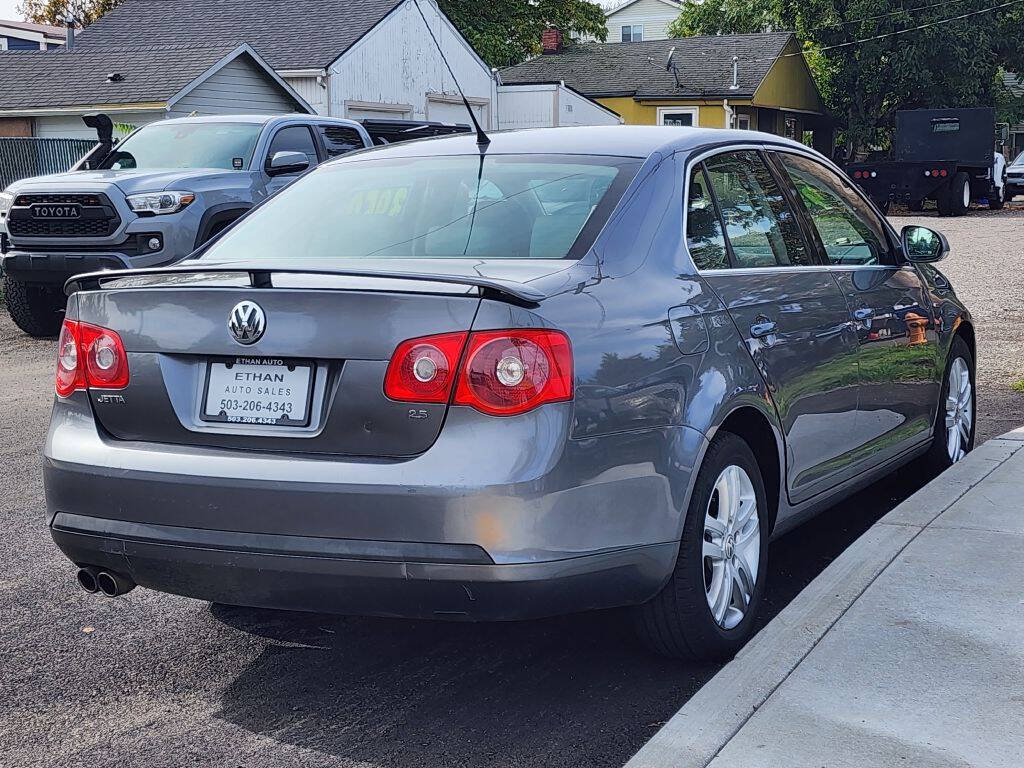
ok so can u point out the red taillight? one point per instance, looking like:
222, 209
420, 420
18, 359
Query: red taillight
511, 372
935, 172
70, 375
856, 174
422, 370
943, 172
89, 357
503, 373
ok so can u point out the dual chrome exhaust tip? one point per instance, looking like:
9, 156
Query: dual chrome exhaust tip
110, 583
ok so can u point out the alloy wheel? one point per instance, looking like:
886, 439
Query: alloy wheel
732, 546
959, 410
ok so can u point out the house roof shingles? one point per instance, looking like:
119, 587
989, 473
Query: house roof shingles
704, 65
289, 34
61, 78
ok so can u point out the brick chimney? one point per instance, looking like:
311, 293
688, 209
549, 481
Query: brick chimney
551, 40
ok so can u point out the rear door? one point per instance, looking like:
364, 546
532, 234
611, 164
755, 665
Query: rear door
897, 337
787, 307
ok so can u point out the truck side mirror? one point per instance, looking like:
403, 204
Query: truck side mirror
287, 162
921, 244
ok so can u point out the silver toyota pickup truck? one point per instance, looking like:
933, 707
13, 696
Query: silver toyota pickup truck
151, 199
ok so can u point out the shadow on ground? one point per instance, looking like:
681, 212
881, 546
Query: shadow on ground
573, 690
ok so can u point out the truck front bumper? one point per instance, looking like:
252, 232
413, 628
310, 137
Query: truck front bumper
50, 267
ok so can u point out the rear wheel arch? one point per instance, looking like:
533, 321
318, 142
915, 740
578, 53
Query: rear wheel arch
753, 427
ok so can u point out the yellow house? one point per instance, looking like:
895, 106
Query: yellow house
759, 82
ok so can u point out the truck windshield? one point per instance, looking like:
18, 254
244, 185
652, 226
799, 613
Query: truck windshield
187, 145
501, 206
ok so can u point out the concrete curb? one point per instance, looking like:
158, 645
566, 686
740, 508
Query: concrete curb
712, 717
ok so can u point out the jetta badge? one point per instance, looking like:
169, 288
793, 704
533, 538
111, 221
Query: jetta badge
247, 322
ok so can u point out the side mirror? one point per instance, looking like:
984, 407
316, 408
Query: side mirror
923, 245
287, 162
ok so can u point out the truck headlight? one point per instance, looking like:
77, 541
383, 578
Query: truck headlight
6, 201
160, 202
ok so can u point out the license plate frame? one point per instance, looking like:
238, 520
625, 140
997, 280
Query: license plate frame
259, 421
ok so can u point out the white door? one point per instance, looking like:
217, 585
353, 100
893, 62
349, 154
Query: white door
455, 112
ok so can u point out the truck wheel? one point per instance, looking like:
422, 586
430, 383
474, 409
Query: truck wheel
915, 205
37, 309
960, 194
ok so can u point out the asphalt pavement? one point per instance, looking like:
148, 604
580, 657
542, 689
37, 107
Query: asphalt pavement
156, 680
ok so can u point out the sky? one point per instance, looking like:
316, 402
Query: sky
7, 10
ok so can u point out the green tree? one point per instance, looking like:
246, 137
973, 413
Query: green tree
726, 17
864, 71
505, 32
85, 12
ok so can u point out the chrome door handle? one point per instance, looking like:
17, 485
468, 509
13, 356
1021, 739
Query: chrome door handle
864, 313
764, 327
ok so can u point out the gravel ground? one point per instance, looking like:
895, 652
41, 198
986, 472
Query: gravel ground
155, 680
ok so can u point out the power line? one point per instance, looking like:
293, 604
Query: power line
905, 31
828, 25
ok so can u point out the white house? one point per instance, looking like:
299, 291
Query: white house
635, 20
365, 58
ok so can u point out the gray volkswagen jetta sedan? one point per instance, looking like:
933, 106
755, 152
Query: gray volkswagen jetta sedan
573, 369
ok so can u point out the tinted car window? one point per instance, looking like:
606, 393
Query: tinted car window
339, 140
849, 230
760, 225
294, 138
187, 145
704, 237
500, 206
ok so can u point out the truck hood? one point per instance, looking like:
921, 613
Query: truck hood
128, 181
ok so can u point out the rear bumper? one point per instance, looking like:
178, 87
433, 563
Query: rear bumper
499, 519
366, 578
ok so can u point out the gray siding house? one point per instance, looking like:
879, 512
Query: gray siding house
51, 91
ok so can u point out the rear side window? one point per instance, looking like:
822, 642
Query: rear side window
849, 231
704, 237
294, 138
760, 226
339, 140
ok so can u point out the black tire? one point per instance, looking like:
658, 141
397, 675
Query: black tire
678, 622
959, 191
938, 458
37, 309
915, 205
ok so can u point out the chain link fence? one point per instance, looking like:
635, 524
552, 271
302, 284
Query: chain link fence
24, 157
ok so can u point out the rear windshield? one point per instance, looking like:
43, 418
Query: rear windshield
187, 145
498, 206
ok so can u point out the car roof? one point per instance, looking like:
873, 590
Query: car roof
640, 141
259, 119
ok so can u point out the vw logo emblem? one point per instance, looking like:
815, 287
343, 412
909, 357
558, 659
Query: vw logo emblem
247, 322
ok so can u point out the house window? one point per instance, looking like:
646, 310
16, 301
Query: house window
743, 122
687, 116
632, 33
790, 128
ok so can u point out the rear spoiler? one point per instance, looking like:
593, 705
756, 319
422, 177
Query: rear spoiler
263, 278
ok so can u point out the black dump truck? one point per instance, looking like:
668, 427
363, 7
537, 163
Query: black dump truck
945, 155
